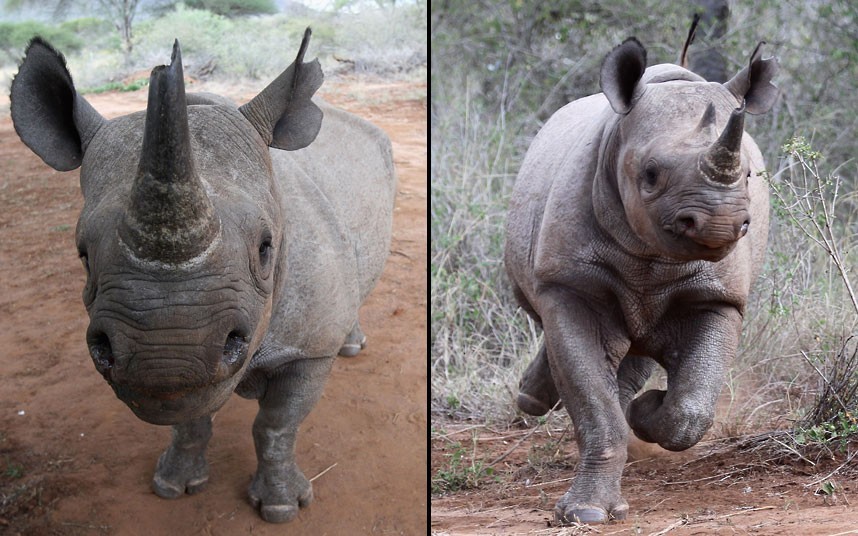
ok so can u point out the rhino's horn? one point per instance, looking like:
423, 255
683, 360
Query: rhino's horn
707, 122
722, 161
170, 217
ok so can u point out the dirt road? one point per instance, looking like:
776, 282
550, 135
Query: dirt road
73, 458
717, 487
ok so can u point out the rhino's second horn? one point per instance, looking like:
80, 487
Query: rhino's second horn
170, 218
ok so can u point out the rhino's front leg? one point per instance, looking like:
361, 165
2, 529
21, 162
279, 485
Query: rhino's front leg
698, 348
279, 488
183, 468
584, 351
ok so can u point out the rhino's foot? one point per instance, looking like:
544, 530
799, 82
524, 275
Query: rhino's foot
179, 473
279, 493
355, 342
568, 511
675, 428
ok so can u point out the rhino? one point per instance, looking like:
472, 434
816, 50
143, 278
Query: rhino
226, 249
637, 224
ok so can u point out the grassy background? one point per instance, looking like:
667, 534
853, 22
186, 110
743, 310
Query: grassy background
383, 39
500, 68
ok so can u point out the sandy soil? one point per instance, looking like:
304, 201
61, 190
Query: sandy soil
73, 458
717, 487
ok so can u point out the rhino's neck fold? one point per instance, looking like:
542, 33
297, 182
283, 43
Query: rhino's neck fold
170, 217
608, 208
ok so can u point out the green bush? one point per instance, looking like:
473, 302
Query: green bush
14, 37
200, 33
234, 8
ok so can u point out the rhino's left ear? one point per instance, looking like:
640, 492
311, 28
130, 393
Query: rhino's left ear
283, 113
49, 115
621, 73
753, 83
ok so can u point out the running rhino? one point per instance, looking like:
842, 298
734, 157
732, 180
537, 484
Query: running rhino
637, 224
226, 249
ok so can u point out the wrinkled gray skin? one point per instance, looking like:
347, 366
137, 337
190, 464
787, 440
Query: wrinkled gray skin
635, 230
217, 261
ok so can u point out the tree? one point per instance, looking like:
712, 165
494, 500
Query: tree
234, 8
119, 12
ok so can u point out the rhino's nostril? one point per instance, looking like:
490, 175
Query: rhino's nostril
235, 349
683, 225
101, 352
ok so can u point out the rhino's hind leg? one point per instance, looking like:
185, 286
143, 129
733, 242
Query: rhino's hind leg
279, 488
354, 343
536, 391
183, 468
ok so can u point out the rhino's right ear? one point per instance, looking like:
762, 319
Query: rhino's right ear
753, 84
49, 115
283, 113
621, 73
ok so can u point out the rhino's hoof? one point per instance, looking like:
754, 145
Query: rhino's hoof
171, 490
352, 349
588, 514
533, 406
280, 513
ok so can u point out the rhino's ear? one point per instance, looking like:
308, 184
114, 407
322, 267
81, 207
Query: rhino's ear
283, 113
621, 73
49, 115
753, 83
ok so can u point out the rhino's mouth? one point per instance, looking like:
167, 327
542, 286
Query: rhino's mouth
173, 407
684, 248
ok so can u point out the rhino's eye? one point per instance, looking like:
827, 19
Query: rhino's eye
265, 251
650, 174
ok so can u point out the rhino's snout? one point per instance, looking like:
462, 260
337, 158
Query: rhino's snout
118, 367
713, 232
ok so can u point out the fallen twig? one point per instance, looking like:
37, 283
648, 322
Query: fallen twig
520, 441
742, 470
832, 473
323, 472
745, 511
677, 524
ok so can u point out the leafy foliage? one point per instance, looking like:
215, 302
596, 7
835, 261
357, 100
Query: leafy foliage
14, 37
459, 472
234, 8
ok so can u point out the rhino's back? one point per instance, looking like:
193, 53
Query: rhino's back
351, 163
338, 206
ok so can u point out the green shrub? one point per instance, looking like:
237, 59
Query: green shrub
14, 37
234, 8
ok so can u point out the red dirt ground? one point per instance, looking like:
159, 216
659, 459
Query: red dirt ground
73, 458
717, 487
